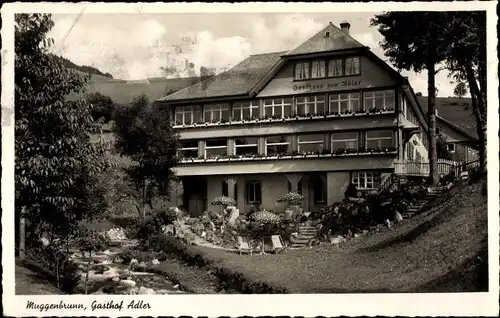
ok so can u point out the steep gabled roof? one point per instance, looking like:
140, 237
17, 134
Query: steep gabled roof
239, 80
336, 40
456, 112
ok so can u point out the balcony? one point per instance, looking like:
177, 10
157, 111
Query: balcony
279, 119
292, 156
422, 169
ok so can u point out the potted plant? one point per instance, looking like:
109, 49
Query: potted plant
264, 223
225, 202
294, 200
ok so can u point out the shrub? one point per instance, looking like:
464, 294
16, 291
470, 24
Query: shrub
152, 226
55, 262
140, 255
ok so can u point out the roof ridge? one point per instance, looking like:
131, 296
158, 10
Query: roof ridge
318, 40
268, 53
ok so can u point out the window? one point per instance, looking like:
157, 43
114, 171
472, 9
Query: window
299, 187
366, 180
379, 139
379, 99
278, 108
246, 110
342, 103
216, 113
345, 140
318, 69
311, 143
352, 66
276, 145
246, 146
438, 131
335, 68
189, 149
410, 151
302, 70
187, 115
451, 147
319, 190
403, 105
310, 105
215, 148
254, 194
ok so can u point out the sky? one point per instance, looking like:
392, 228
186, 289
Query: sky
137, 46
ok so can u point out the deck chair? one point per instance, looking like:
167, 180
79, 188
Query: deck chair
278, 245
244, 246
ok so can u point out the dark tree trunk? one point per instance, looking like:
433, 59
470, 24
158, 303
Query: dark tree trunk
144, 199
431, 101
480, 113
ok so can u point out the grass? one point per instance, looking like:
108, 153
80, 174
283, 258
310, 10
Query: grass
434, 252
30, 282
191, 279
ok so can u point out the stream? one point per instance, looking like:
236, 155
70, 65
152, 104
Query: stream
108, 276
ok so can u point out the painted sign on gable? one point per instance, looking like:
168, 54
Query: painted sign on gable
284, 83
328, 84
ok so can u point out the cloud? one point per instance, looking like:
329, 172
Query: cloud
204, 49
123, 52
134, 47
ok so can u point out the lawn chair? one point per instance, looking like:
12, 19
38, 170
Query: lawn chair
244, 246
278, 245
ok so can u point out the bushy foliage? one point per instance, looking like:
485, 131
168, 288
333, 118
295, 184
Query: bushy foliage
355, 216
55, 261
82, 68
88, 240
143, 134
56, 163
442, 148
102, 106
292, 198
153, 225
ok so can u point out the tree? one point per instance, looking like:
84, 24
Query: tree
466, 60
143, 133
103, 106
412, 42
55, 160
460, 89
442, 148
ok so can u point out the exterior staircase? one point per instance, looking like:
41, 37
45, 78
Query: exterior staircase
416, 208
306, 233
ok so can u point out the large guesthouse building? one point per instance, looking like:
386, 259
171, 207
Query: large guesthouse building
312, 120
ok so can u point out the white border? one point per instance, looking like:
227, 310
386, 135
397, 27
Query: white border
466, 304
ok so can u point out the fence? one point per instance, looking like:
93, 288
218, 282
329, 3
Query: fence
414, 168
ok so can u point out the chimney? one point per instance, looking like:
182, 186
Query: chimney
344, 26
206, 73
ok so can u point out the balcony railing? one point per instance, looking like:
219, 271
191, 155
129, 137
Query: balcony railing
277, 119
414, 168
294, 155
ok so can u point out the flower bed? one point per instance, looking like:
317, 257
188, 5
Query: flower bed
367, 214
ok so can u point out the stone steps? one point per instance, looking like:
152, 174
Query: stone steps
306, 233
